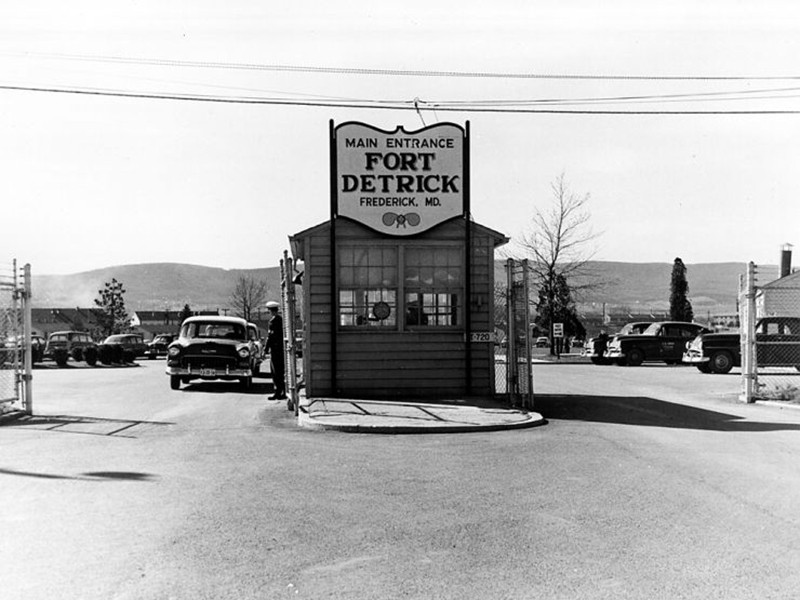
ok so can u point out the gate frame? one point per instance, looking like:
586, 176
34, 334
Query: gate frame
20, 291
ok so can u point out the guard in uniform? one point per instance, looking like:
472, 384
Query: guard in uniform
276, 349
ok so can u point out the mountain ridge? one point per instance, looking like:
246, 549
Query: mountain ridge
170, 286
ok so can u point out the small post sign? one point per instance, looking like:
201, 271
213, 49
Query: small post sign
482, 337
399, 182
558, 330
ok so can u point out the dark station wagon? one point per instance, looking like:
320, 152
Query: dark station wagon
662, 341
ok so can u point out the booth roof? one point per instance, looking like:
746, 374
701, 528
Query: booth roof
297, 247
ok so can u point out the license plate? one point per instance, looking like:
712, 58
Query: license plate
207, 372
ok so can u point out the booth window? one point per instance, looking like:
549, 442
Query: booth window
368, 286
432, 280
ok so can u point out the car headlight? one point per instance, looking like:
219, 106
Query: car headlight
174, 351
244, 352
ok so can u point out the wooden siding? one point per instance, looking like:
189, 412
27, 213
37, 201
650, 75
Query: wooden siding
396, 364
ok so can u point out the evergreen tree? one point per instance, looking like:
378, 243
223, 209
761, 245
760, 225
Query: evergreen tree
112, 317
185, 313
680, 308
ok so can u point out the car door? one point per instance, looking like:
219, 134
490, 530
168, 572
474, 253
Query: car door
672, 340
791, 348
778, 342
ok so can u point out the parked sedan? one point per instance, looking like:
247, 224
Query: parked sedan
661, 341
212, 347
122, 347
777, 345
595, 348
158, 345
12, 343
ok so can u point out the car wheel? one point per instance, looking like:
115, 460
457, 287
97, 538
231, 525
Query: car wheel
174, 382
61, 356
721, 362
246, 382
635, 357
704, 368
90, 356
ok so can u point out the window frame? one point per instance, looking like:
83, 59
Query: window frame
402, 289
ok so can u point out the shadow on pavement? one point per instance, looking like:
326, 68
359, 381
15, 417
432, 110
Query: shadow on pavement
84, 425
647, 412
93, 476
226, 387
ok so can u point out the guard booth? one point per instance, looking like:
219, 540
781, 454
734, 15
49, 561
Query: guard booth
398, 286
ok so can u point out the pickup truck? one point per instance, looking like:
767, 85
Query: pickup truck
777, 345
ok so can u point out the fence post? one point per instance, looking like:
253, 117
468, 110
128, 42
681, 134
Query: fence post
511, 352
27, 326
747, 310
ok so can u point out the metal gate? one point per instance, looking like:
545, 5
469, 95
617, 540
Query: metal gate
513, 370
15, 336
289, 308
770, 340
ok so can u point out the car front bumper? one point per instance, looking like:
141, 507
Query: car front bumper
209, 373
694, 357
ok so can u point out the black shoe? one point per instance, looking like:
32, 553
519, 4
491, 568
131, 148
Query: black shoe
281, 397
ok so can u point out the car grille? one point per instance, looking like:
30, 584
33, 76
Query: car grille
208, 362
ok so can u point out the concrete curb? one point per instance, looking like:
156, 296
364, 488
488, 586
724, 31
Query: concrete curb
308, 422
351, 416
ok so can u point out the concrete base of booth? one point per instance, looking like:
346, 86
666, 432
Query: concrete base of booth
395, 417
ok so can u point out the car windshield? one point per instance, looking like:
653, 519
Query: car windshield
202, 329
653, 329
633, 328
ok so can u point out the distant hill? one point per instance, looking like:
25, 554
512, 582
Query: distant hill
648, 284
158, 286
151, 286
639, 286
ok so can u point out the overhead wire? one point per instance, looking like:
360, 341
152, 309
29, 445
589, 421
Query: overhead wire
395, 72
370, 104
531, 105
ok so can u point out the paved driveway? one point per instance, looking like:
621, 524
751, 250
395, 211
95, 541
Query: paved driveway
646, 483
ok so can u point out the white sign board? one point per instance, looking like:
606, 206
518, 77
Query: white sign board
558, 330
399, 182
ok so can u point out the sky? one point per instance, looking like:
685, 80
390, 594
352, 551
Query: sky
125, 173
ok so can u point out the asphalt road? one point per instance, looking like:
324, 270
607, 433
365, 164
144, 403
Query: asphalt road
649, 482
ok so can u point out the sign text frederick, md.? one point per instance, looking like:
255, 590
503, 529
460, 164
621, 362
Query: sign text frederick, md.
400, 183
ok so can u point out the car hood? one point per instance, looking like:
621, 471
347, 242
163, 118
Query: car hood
719, 336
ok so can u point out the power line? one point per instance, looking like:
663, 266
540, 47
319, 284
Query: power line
397, 72
377, 104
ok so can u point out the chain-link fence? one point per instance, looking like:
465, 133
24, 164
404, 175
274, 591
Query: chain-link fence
15, 339
513, 375
770, 339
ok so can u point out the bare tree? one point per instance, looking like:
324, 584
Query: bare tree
247, 296
560, 244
